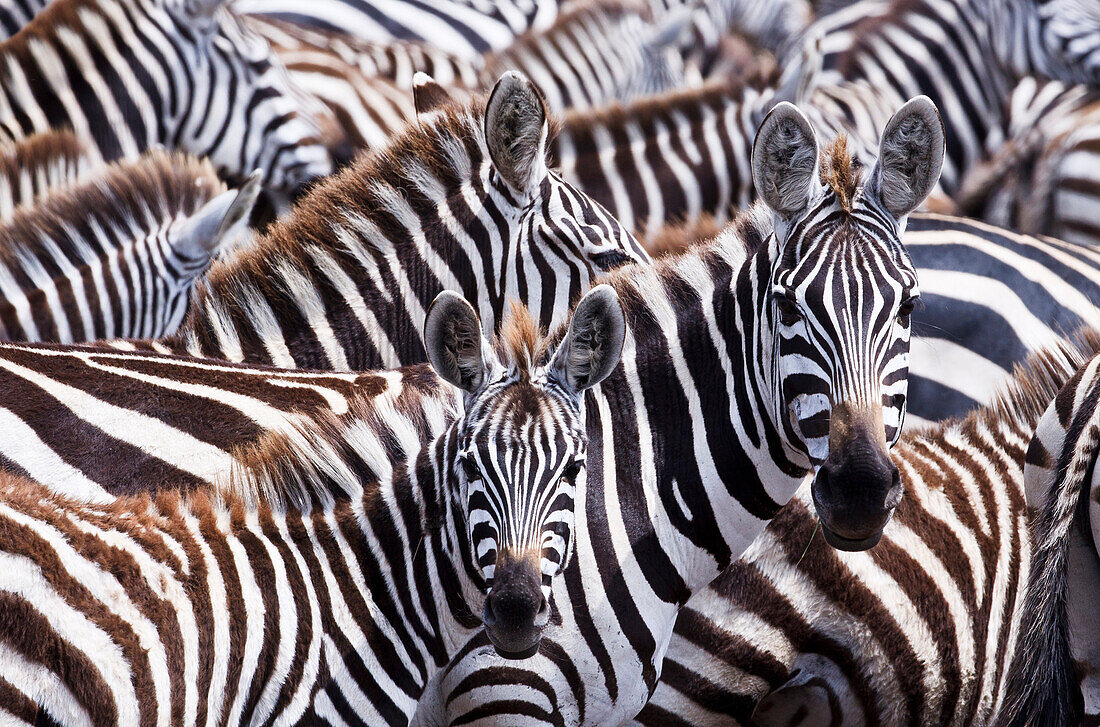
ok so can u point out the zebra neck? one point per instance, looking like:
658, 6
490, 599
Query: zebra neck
695, 373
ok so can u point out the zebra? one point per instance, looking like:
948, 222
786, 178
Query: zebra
773, 24
38, 165
16, 13
990, 296
715, 417
119, 255
1060, 682
1042, 180
967, 55
465, 28
597, 52
462, 201
127, 75
331, 573
922, 630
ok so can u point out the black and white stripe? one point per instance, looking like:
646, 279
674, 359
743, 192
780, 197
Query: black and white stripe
127, 75
119, 254
695, 441
32, 168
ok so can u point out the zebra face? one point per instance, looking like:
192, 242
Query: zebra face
249, 114
520, 449
841, 291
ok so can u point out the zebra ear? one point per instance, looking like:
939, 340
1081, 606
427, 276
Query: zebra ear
219, 221
593, 344
910, 157
516, 130
428, 96
454, 343
785, 161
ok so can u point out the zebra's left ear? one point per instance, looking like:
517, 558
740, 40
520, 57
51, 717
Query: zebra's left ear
516, 130
593, 344
910, 157
456, 348
219, 221
785, 161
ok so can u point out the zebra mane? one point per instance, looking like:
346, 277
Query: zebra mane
839, 172
521, 342
144, 194
50, 152
1036, 380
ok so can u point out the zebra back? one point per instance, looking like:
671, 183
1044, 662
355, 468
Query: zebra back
118, 255
33, 168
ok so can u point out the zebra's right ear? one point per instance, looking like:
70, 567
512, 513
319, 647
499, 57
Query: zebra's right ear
593, 344
515, 131
455, 346
428, 96
218, 222
785, 161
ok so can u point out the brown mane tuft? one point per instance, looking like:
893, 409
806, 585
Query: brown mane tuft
839, 173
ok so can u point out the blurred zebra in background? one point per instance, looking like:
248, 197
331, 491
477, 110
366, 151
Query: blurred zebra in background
117, 255
40, 164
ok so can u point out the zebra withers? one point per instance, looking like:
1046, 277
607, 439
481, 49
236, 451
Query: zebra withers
119, 255
332, 572
127, 75
736, 364
461, 201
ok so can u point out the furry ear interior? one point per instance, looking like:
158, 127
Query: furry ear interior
785, 161
219, 221
516, 130
910, 157
454, 343
428, 96
593, 344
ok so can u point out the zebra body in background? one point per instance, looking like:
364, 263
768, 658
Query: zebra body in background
714, 419
328, 575
124, 77
459, 201
31, 169
1044, 178
118, 255
966, 55
14, 14
989, 296
465, 28
918, 631
773, 24
598, 52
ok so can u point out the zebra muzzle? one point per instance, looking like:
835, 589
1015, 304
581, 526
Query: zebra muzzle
516, 611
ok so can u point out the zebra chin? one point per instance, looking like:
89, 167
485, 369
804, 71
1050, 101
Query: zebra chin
516, 611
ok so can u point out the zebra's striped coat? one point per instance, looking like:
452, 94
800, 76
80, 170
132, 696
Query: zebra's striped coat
33, 168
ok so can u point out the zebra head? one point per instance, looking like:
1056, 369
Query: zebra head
520, 448
1063, 38
838, 303
557, 224
241, 109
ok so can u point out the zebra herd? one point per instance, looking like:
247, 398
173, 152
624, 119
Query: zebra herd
562, 362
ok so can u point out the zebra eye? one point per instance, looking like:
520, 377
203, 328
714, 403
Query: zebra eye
470, 468
789, 313
572, 470
906, 309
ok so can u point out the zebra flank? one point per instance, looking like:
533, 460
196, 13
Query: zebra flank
118, 255
460, 201
129, 75
33, 168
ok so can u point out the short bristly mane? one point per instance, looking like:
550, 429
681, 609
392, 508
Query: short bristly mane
840, 173
139, 195
521, 341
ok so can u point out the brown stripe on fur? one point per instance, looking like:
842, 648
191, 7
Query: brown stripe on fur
839, 173
681, 236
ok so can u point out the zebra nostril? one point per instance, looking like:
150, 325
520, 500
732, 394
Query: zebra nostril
487, 615
543, 616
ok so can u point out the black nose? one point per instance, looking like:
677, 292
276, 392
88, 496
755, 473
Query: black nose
516, 612
855, 493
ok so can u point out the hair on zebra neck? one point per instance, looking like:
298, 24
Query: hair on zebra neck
38, 150
840, 173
